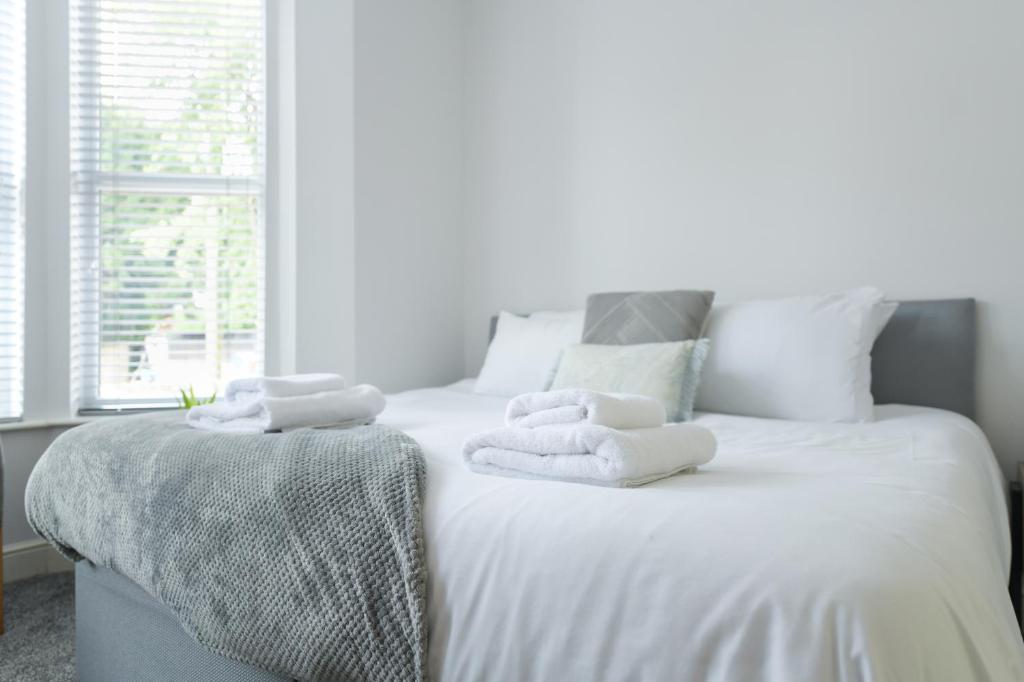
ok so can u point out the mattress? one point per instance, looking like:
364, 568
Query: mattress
802, 552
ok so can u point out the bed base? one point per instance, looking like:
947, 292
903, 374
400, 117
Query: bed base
124, 635
1017, 546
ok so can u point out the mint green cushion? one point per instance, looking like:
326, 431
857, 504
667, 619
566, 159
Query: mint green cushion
659, 370
691, 379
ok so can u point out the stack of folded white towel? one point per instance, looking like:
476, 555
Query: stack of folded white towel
263, 404
588, 437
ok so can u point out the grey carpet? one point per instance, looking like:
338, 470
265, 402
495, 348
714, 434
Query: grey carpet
40, 640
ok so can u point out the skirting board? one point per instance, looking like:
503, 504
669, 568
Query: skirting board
31, 558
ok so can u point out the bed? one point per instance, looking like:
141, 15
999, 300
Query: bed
804, 551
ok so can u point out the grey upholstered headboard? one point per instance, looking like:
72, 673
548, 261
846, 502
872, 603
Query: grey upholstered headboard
924, 356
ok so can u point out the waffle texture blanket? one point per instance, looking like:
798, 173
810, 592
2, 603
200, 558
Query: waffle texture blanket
300, 553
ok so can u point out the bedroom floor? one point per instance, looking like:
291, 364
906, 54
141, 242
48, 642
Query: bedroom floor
40, 617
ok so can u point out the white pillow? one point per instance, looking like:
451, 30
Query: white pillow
524, 354
805, 359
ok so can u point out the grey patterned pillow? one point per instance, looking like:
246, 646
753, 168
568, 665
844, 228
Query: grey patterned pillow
654, 317
646, 317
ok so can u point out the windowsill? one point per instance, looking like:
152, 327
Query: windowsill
31, 424
127, 408
82, 418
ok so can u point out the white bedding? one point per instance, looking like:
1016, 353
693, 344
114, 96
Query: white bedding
816, 552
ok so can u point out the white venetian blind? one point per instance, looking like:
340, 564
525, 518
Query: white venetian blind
167, 142
12, 176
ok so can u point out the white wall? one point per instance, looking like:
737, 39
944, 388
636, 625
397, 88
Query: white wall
311, 255
47, 213
408, 170
47, 277
365, 261
21, 449
758, 149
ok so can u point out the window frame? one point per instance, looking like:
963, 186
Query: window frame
17, 233
87, 180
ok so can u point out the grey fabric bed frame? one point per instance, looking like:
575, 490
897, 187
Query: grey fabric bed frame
925, 356
122, 634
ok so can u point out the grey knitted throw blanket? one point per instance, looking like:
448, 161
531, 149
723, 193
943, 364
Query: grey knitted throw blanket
300, 553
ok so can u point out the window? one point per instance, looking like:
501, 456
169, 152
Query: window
167, 196
12, 177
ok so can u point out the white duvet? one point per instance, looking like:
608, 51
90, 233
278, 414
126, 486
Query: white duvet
811, 552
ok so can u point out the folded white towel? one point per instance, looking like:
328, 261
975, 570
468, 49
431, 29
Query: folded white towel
591, 454
282, 387
359, 404
576, 405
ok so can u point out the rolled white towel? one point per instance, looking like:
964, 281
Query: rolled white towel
359, 404
282, 387
591, 454
576, 406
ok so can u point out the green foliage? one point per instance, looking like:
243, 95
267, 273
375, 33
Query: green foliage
188, 399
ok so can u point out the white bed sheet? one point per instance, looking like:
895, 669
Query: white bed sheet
802, 552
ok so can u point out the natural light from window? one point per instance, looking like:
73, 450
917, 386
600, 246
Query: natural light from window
167, 197
12, 188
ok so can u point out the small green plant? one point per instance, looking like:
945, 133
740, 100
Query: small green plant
188, 399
